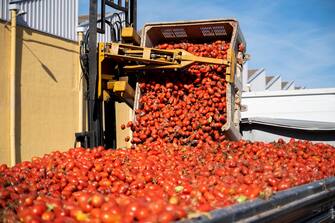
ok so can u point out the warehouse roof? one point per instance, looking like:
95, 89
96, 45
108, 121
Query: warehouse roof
251, 72
283, 84
318, 91
268, 79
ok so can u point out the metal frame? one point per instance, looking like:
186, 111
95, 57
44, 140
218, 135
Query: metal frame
95, 136
306, 203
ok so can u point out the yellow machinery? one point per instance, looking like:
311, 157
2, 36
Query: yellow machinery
112, 69
132, 58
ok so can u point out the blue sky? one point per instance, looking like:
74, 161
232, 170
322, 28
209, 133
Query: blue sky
295, 39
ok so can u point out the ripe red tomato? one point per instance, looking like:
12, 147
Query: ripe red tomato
107, 217
38, 209
97, 200
48, 216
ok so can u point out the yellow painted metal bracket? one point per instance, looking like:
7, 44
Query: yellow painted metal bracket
230, 70
123, 90
101, 58
129, 35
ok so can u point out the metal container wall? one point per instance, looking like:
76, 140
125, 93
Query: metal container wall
201, 32
311, 202
55, 17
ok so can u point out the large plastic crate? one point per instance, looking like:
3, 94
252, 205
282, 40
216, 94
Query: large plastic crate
204, 31
198, 31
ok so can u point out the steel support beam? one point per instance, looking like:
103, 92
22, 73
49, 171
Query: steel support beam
133, 13
95, 137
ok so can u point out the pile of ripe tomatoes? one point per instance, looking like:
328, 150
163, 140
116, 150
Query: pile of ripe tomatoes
155, 182
181, 165
187, 108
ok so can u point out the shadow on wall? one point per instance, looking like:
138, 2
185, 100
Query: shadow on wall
20, 44
48, 44
45, 68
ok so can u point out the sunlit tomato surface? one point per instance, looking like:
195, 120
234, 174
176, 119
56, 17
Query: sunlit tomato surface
181, 164
155, 182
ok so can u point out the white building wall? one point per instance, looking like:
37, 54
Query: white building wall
245, 76
258, 83
306, 104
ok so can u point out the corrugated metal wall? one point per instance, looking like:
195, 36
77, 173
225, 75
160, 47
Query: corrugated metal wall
56, 17
4, 13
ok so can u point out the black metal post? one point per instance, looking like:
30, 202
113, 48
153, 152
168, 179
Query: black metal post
133, 13
102, 17
126, 12
94, 105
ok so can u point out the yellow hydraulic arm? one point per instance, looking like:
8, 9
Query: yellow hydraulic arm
135, 58
143, 58
150, 58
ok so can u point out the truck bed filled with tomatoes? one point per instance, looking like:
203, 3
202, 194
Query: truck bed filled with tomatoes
181, 165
